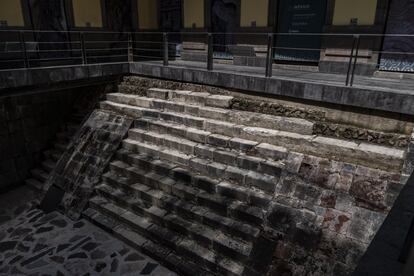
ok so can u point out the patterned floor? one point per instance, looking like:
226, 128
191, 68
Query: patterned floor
33, 243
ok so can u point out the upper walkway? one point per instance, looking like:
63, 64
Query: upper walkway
384, 93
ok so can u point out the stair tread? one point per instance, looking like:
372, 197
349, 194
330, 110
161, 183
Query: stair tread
306, 125
195, 228
396, 152
34, 183
49, 164
242, 229
180, 140
267, 185
184, 243
347, 151
40, 173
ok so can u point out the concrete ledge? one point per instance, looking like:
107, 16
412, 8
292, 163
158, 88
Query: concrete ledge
385, 100
49, 75
396, 101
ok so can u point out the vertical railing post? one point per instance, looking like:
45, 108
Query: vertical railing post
165, 48
130, 48
209, 52
269, 56
350, 60
24, 50
83, 49
355, 60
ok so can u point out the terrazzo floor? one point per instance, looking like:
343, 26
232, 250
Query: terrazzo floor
34, 243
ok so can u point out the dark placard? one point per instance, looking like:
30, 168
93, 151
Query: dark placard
401, 23
297, 20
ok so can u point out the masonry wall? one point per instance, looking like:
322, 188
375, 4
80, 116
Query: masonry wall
29, 123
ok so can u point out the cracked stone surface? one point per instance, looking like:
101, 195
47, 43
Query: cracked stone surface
34, 243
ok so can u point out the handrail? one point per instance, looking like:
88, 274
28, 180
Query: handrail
30, 51
214, 33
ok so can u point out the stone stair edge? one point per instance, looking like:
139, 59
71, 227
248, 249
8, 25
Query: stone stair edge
396, 154
305, 123
184, 221
137, 241
132, 215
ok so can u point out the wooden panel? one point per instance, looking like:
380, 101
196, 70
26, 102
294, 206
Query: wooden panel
147, 14
345, 10
193, 13
11, 11
87, 13
254, 11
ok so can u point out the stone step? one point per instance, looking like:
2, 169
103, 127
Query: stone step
225, 155
249, 147
64, 136
197, 98
202, 234
53, 155
34, 183
189, 210
247, 174
369, 155
219, 204
176, 242
48, 165
70, 128
60, 146
224, 115
162, 254
39, 175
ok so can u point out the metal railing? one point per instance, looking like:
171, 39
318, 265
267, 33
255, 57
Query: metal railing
27, 49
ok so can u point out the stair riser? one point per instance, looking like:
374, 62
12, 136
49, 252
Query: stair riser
267, 151
133, 244
203, 200
170, 224
185, 212
366, 155
249, 178
230, 116
234, 191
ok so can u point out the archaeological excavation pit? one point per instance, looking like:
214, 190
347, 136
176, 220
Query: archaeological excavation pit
191, 179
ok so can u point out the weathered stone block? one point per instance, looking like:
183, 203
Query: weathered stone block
219, 101
242, 144
271, 151
199, 165
197, 135
248, 162
232, 191
220, 127
264, 182
158, 93
218, 140
213, 113
235, 175
203, 151
225, 157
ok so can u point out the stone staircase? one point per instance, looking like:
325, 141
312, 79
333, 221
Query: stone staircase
39, 175
213, 191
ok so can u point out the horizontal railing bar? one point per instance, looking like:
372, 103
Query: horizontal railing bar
53, 50
107, 56
157, 57
104, 49
148, 50
216, 33
46, 59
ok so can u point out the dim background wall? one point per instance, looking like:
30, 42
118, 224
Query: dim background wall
28, 125
11, 11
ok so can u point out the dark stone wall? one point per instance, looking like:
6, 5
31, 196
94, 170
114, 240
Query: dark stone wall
28, 124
